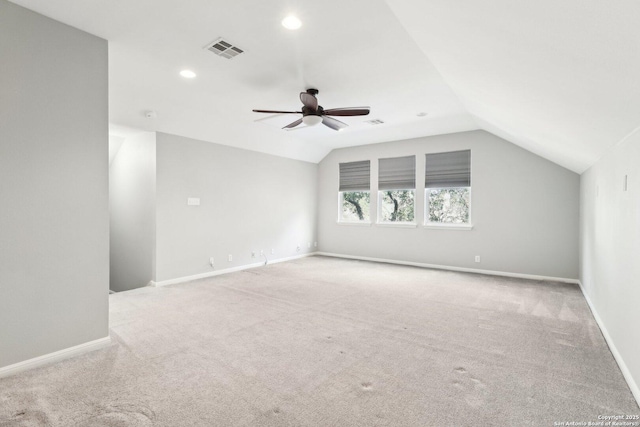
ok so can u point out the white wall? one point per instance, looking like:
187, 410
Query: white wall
249, 201
54, 226
524, 210
115, 142
610, 250
132, 204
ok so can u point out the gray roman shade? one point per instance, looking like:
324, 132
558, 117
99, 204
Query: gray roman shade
355, 176
397, 173
444, 170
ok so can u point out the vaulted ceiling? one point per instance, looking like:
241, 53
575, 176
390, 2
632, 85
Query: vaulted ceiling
557, 78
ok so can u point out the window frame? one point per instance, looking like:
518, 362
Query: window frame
449, 225
356, 179
397, 174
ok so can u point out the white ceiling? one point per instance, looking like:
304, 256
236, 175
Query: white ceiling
557, 78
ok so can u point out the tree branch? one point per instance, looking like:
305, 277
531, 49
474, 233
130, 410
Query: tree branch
358, 208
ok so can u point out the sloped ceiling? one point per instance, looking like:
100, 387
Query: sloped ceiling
557, 78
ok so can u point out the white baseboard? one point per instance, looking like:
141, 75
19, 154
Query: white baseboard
635, 390
225, 271
55, 357
451, 268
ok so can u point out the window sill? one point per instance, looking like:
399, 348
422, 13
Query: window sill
449, 226
397, 224
357, 224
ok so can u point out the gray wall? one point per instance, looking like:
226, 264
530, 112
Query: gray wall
54, 225
610, 246
249, 201
524, 210
132, 207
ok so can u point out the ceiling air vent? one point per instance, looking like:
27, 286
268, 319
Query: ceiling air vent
375, 122
223, 48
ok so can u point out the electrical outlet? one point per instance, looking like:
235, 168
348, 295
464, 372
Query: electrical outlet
261, 252
273, 251
230, 257
211, 261
298, 248
253, 254
477, 258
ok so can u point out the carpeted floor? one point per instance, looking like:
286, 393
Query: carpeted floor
330, 342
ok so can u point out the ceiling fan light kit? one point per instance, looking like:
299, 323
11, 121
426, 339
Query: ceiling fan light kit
311, 120
313, 114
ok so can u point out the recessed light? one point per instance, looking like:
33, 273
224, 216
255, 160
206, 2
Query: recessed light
187, 74
291, 23
422, 114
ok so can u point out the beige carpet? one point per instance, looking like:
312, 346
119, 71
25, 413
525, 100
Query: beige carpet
330, 342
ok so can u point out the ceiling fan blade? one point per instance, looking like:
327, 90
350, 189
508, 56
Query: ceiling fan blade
333, 123
309, 100
293, 124
272, 116
277, 112
353, 111
297, 128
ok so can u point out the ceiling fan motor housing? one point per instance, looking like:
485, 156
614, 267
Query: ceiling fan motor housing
308, 111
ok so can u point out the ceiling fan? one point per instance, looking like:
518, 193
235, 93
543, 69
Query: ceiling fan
312, 113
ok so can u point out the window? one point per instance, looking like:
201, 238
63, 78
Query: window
448, 187
353, 194
396, 189
397, 206
355, 206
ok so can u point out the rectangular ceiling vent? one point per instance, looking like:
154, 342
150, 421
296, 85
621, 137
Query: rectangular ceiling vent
224, 48
375, 122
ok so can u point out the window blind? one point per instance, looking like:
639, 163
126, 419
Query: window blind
444, 170
397, 173
355, 176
